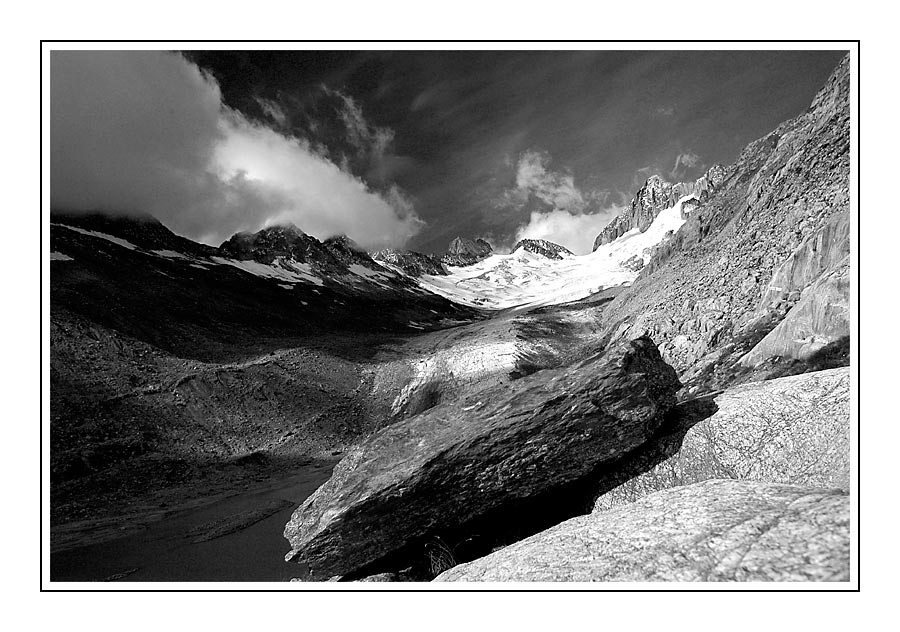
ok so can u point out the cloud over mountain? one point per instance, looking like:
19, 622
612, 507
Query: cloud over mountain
559, 210
147, 132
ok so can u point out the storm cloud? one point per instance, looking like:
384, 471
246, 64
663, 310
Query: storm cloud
148, 132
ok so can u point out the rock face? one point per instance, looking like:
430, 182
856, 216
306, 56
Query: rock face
822, 252
793, 430
415, 264
542, 247
465, 252
718, 530
772, 226
819, 319
655, 196
441, 470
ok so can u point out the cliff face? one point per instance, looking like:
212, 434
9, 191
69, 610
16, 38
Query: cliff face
774, 224
655, 196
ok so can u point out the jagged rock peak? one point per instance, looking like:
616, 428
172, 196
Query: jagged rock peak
655, 196
414, 264
462, 246
542, 247
343, 242
273, 241
465, 252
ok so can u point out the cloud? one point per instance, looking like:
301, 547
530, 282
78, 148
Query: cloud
575, 232
553, 188
664, 112
273, 111
566, 214
147, 132
370, 141
684, 163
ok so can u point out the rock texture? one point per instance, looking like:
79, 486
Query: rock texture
657, 195
718, 530
819, 319
454, 463
415, 264
775, 215
465, 252
542, 247
331, 257
793, 430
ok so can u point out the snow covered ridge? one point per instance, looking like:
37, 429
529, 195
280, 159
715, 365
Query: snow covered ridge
524, 279
330, 261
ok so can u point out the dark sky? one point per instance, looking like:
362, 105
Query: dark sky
462, 120
475, 143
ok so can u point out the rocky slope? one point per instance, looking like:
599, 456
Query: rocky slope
775, 224
718, 530
452, 471
414, 264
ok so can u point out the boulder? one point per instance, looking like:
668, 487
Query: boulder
717, 530
793, 430
442, 470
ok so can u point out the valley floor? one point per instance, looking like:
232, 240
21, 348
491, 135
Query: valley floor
232, 536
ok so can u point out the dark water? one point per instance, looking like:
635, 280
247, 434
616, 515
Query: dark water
164, 551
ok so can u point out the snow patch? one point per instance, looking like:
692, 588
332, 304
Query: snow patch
116, 240
170, 254
281, 269
58, 256
370, 275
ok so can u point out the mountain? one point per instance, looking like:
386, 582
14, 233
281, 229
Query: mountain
528, 278
542, 247
414, 264
767, 254
657, 195
277, 282
465, 252
741, 273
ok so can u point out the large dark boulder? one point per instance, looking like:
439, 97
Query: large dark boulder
717, 530
453, 464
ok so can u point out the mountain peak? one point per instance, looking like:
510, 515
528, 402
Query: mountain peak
656, 195
542, 247
464, 252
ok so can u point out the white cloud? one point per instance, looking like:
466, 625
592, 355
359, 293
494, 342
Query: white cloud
369, 140
554, 188
573, 217
146, 131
